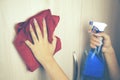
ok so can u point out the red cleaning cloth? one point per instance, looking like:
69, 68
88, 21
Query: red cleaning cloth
23, 34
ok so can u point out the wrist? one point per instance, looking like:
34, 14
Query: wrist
47, 60
109, 52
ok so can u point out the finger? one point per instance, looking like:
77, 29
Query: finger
95, 39
29, 44
45, 30
34, 38
96, 43
54, 42
37, 28
53, 45
92, 46
89, 31
104, 35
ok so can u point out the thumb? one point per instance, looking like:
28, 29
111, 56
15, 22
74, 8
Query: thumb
104, 35
54, 42
29, 44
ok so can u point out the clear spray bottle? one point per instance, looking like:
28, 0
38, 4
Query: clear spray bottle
94, 65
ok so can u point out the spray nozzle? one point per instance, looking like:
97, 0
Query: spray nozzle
97, 26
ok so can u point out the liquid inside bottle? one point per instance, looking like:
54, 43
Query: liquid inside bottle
94, 65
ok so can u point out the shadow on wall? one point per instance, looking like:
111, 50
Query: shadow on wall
86, 36
116, 28
116, 37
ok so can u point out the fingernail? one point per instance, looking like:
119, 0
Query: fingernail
43, 20
26, 41
30, 26
95, 47
92, 33
89, 31
97, 34
35, 21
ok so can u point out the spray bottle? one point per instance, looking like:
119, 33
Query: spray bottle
94, 65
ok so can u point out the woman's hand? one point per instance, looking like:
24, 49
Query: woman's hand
41, 48
43, 51
109, 53
96, 41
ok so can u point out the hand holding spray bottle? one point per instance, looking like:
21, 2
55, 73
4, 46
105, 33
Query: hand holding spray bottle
95, 64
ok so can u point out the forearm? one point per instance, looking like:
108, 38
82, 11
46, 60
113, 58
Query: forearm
53, 69
112, 64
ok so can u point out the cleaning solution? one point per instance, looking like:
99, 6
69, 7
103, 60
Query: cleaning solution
94, 65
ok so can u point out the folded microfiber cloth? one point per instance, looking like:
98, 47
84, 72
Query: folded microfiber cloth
23, 34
